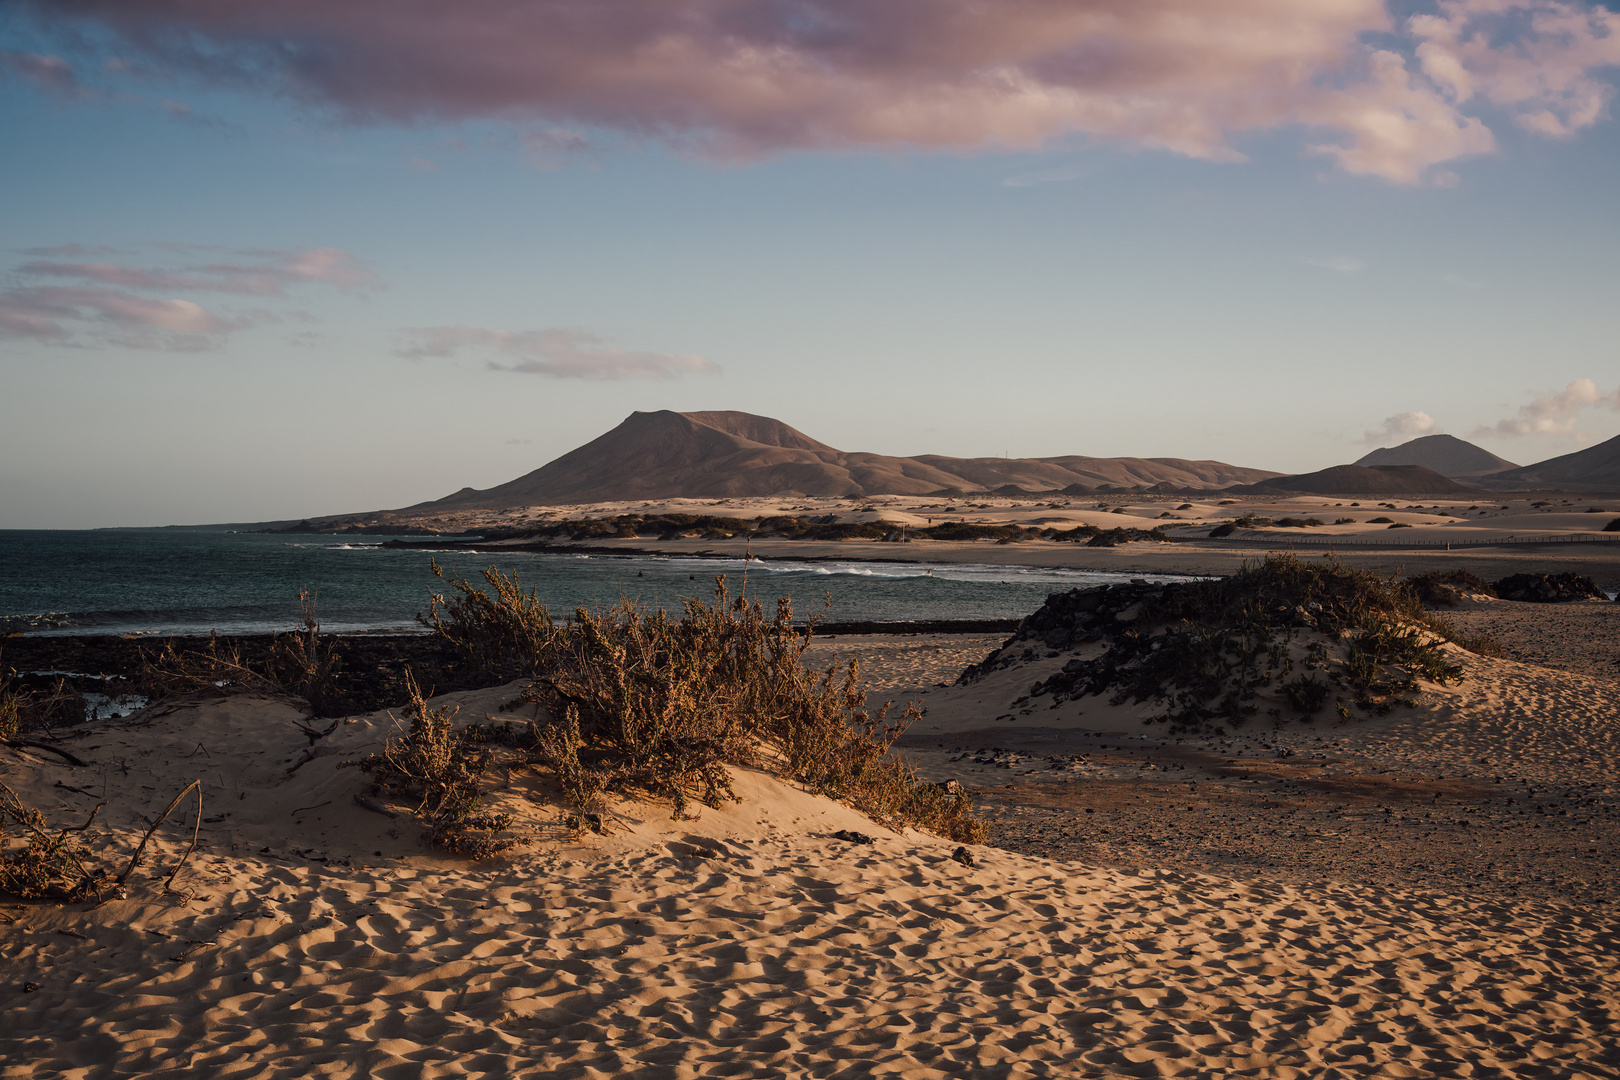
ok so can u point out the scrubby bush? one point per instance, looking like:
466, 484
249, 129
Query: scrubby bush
645, 702
442, 766
504, 633
1446, 588
1207, 648
1380, 521
300, 664
1613, 526
1299, 523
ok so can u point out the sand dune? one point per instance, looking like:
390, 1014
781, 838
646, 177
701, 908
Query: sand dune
313, 937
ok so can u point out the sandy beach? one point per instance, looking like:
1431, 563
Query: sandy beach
1428, 893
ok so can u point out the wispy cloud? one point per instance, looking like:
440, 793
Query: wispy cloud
61, 302
1556, 413
1386, 96
1341, 263
52, 74
1400, 428
560, 352
267, 273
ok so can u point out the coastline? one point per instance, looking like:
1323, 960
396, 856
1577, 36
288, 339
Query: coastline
1599, 560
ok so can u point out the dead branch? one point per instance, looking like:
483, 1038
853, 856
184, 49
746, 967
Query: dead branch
134, 860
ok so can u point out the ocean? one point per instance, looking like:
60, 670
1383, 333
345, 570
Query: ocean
193, 581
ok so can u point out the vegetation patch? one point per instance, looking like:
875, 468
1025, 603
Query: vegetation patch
301, 664
651, 704
1299, 631
1447, 588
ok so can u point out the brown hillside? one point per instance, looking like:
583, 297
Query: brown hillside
1597, 468
662, 455
1361, 480
1445, 454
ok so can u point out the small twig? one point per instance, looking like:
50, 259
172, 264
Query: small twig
134, 860
313, 733
66, 932
204, 749
317, 806
87, 820
80, 790
63, 754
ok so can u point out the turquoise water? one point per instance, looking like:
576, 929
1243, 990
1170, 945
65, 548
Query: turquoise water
192, 581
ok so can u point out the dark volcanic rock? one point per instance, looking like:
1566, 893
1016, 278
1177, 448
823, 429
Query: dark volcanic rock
1548, 588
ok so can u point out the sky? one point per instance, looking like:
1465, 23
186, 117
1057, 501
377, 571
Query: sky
273, 260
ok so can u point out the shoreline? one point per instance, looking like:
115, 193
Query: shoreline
1176, 558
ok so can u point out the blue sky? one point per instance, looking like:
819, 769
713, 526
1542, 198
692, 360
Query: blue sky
240, 287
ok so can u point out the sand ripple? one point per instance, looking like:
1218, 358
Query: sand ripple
801, 957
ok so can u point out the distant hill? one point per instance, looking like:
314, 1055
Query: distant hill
664, 455
1362, 480
1597, 468
1445, 454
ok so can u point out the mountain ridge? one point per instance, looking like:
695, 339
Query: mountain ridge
724, 454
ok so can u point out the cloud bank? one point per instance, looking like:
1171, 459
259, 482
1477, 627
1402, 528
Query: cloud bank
53, 300
1402, 427
1556, 413
1385, 97
560, 352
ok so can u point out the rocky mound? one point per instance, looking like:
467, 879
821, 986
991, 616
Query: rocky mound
1548, 588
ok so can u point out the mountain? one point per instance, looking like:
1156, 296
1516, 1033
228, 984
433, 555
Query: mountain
1362, 480
706, 455
1445, 454
1597, 468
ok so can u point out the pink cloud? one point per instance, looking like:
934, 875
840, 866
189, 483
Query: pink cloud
271, 276
62, 313
740, 78
103, 302
561, 352
1542, 73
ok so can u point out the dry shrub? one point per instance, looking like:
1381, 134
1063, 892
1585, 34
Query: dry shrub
505, 633
301, 665
41, 864
646, 702
23, 710
214, 670
37, 863
1446, 587
442, 767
